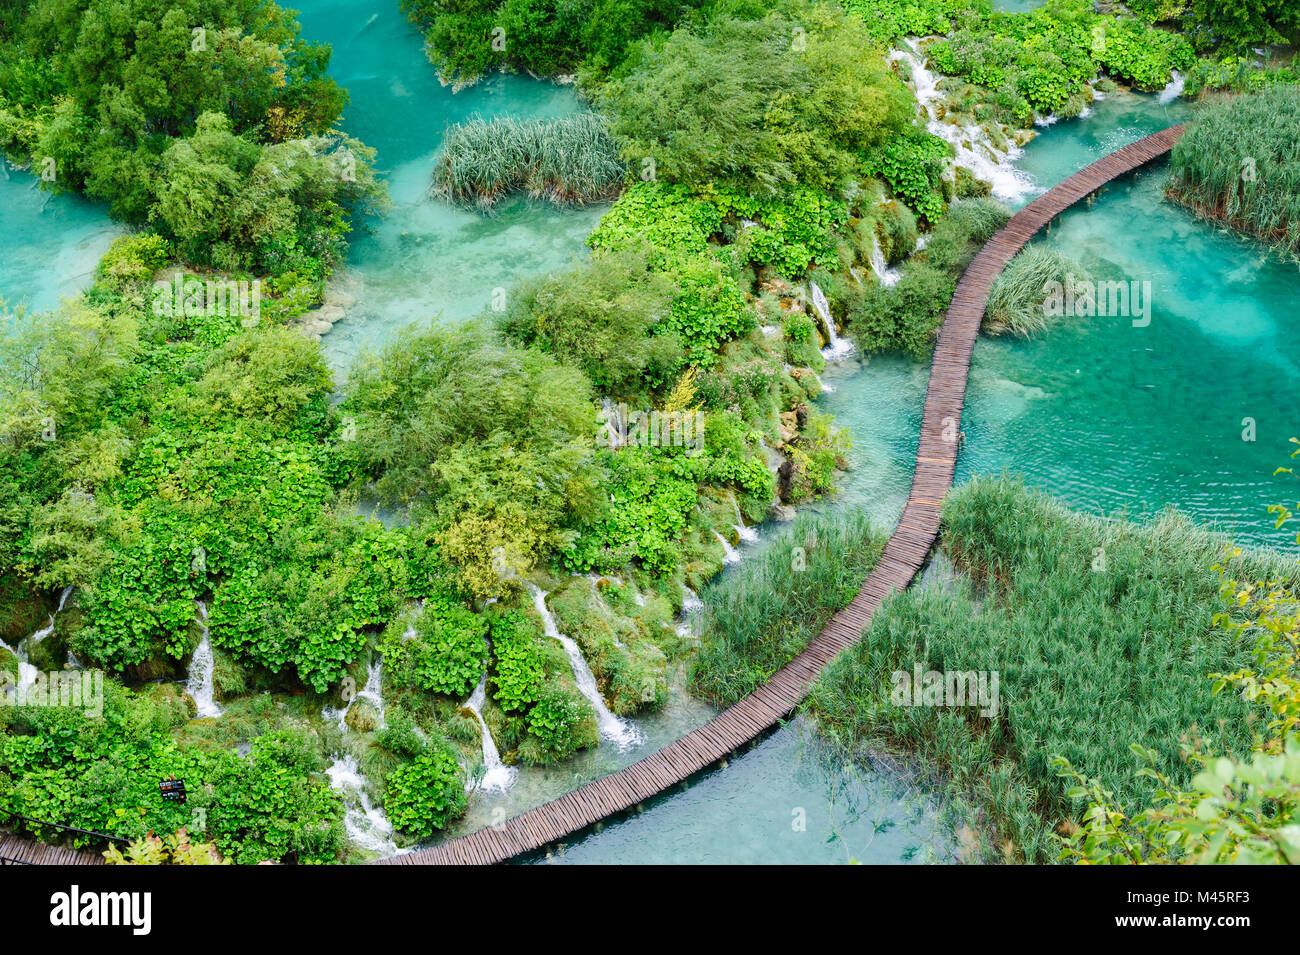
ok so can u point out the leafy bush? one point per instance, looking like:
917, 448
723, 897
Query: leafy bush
652, 493
490, 441
518, 666
444, 651
737, 101
543, 36
913, 166
133, 259
101, 774
425, 794
237, 162
605, 317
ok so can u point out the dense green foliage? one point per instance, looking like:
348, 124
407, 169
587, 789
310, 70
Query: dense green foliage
571, 160
906, 317
759, 618
422, 796
1102, 634
60, 765
606, 317
210, 120
1232, 26
444, 651
1040, 60
1239, 163
490, 442
760, 104
467, 38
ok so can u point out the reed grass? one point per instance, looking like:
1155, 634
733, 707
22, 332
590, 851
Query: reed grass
1101, 633
572, 160
1239, 163
762, 615
1016, 301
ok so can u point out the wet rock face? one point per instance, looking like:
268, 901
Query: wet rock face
362, 717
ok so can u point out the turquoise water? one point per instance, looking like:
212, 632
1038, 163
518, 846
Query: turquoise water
784, 800
426, 258
49, 245
1111, 416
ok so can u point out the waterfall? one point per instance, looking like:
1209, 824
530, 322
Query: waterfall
199, 683
974, 151
1173, 89
366, 824
688, 629
372, 691
836, 347
884, 273
617, 730
499, 777
615, 426
27, 673
729, 554
747, 534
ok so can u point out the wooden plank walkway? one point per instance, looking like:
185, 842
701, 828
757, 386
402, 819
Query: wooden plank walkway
915, 534
19, 850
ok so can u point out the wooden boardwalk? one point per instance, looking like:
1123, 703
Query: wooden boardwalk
19, 850
915, 534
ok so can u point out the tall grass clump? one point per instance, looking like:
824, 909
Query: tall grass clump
1102, 634
1239, 163
1018, 298
571, 160
761, 617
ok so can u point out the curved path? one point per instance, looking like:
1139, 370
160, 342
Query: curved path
917, 530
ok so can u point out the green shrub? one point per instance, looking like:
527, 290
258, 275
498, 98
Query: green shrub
604, 316
444, 651
518, 665
735, 101
133, 259
559, 724
424, 795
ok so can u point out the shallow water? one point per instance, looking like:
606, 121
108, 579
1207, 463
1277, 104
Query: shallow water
427, 258
785, 799
1108, 414
49, 244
